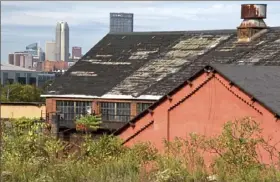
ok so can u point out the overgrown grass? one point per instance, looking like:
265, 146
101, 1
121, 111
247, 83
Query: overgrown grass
30, 154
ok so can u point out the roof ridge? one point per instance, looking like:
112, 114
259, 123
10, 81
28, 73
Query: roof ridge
183, 31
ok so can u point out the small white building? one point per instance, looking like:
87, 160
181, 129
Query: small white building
15, 74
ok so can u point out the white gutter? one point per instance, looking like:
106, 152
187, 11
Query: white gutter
107, 96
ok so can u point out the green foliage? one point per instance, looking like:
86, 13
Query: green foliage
20, 93
91, 122
237, 149
30, 154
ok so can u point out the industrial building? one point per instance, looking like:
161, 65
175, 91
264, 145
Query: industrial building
15, 74
121, 22
214, 95
125, 73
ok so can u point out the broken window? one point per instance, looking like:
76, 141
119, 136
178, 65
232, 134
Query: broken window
115, 111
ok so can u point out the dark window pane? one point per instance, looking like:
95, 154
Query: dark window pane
142, 106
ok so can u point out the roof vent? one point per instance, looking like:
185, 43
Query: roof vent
253, 16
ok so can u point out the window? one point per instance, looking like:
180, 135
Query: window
10, 81
5, 78
71, 110
32, 80
28, 78
21, 80
142, 106
112, 111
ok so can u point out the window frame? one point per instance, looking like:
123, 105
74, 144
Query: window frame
71, 109
141, 106
115, 111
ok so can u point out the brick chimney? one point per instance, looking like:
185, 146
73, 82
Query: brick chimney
253, 24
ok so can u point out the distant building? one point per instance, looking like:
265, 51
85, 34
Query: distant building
121, 22
27, 58
44, 77
32, 49
51, 66
62, 41
36, 52
11, 59
15, 74
50, 49
76, 52
71, 63
22, 59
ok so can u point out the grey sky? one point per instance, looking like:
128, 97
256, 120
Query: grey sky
26, 22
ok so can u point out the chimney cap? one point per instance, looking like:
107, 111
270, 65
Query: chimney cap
253, 11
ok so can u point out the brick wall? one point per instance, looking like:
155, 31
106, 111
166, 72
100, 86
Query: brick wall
51, 104
54, 65
202, 112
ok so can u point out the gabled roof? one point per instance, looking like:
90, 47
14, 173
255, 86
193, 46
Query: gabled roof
153, 63
260, 82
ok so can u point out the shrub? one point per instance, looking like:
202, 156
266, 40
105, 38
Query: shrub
32, 155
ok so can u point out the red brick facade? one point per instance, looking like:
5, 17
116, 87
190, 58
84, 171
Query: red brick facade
51, 104
49, 66
201, 107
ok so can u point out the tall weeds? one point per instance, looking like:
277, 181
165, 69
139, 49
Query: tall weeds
30, 154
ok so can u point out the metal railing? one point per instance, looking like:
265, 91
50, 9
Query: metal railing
67, 120
116, 118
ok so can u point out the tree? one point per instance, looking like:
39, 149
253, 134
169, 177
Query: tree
88, 122
20, 93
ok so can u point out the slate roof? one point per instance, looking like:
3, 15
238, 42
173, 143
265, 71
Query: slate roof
260, 82
153, 63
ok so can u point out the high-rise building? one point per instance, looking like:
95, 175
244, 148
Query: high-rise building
11, 58
121, 22
50, 50
22, 59
35, 51
62, 41
76, 52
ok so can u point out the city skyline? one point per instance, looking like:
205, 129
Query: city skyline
36, 20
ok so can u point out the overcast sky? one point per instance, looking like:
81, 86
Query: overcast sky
26, 22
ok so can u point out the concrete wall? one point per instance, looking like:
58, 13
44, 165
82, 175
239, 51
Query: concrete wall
204, 112
17, 110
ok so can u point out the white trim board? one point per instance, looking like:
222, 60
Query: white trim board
107, 96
